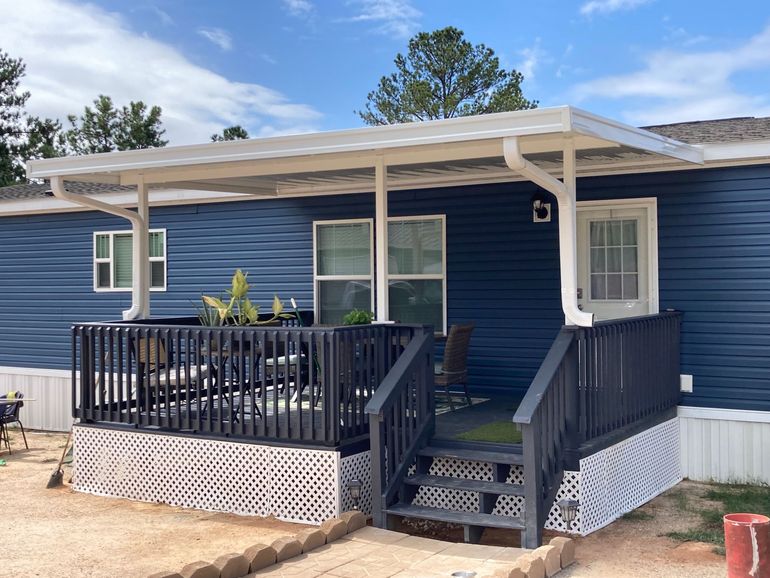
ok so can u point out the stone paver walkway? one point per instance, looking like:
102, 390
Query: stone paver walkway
376, 553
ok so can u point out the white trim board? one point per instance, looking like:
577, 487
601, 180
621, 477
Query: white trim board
715, 413
35, 371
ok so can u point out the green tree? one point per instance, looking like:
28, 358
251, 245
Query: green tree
105, 128
44, 139
236, 132
12, 102
443, 76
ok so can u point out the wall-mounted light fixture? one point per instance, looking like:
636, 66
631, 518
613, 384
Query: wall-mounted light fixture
541, 208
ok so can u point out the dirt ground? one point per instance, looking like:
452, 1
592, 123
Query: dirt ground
62, 533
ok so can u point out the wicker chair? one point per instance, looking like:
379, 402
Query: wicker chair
454, 367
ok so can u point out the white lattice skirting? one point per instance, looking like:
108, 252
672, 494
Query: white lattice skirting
309, 486
609, 484
297, 485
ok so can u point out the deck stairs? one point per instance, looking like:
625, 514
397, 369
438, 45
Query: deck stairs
500, 457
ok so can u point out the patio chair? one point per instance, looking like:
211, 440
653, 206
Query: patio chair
153, 361
9, 413
453, 370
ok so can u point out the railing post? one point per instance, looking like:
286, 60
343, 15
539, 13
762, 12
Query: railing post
572, 393
533, 484
377, 444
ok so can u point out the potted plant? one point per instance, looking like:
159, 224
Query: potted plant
358, 317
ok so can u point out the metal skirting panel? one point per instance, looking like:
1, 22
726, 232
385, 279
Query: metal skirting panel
296, 485
628, 474
51, 392
725, 450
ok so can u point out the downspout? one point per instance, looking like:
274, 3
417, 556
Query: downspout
140, 294
566, 198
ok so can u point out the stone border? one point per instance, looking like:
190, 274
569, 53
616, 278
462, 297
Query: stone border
260, 556
544, 562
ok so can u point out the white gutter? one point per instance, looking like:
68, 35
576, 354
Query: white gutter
140, 293
565, 193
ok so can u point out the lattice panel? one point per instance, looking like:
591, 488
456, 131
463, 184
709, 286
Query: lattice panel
357, 466
511, 505
629, 474
457, 500
249, 479
304, 484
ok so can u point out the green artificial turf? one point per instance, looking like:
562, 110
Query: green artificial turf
503, 432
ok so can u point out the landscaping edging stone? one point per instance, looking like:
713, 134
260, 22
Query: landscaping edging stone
543, 562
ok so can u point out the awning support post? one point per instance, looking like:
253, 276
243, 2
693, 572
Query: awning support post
566, 197
381, 237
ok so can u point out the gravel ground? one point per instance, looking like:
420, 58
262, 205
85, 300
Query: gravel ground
638, 548
62, 533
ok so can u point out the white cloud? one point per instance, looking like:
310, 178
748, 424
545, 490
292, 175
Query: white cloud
300, 8
75, 52
532, 58
607, 6
676, 85
218, 37
393, 17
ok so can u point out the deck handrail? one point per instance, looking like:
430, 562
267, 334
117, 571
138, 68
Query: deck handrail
298, 385
401, 419
544, 419
594, 383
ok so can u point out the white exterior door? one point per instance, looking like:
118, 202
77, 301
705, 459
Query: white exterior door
617, 258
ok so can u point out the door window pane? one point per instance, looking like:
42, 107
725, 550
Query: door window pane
343, 249
417, 301
415, 247
338, 298
614, 259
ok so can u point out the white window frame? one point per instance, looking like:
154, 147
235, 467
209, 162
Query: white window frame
111, 261
425, 276
318, 278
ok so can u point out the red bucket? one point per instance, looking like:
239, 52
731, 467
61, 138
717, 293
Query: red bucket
747, 545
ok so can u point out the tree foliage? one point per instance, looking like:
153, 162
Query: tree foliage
105, 128
12, 102
236, 132
443, 76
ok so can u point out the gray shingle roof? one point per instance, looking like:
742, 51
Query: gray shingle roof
724, 130
42, 190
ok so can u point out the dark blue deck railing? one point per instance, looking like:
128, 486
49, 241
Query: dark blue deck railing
303, 385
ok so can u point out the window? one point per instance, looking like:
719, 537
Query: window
344, 266
614, 260
417, 271
113, 260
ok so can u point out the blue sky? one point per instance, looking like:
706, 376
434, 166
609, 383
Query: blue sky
283, 66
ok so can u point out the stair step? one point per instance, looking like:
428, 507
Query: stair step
473, 455
464, 518
465, 484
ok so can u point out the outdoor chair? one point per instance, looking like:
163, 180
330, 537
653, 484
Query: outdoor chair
9, 413
153, 362
453, 370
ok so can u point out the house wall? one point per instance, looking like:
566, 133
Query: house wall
714, 262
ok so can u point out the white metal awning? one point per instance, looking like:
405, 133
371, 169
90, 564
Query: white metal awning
443, 152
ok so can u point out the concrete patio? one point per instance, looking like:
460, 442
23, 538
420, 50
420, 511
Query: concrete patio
381, 554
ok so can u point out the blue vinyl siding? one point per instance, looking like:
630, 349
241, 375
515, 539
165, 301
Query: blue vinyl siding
502, 271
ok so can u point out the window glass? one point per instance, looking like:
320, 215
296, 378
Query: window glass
613, 257
344, 249
417, 301
102, 246
338, 298
123, 248
415, 247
